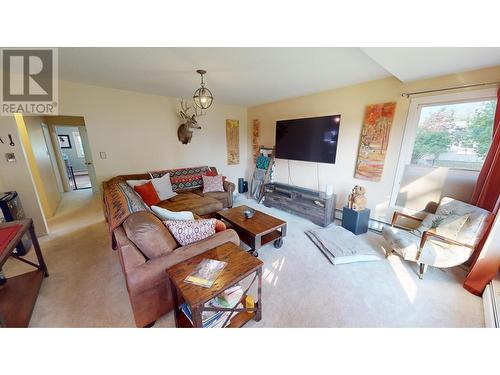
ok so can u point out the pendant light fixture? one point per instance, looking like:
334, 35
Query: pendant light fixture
202, 97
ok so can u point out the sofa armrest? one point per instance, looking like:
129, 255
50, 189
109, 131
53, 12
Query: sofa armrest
229, 187
153, 272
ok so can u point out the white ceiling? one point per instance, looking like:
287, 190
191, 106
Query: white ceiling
251, 76
410, 64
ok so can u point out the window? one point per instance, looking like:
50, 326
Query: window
454, 135
446, 140
78, 144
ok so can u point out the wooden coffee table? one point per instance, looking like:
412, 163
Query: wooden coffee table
240, 265
257, 231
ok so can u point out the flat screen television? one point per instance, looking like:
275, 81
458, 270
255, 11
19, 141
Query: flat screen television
308, 139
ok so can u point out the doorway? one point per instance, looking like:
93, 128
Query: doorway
73, 154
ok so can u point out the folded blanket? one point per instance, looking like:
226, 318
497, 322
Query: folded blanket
340, 246
120, 201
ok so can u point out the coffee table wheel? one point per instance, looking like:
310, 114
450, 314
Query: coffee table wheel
278, 243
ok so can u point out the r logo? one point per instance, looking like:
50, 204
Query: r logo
27, 75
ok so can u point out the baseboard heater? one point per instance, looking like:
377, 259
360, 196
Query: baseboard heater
491, 304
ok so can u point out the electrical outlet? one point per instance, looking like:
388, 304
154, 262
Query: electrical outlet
10, 157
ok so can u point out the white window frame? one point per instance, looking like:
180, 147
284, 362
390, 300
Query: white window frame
412, 120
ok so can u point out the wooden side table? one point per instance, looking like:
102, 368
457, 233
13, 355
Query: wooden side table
18, 295
240, 265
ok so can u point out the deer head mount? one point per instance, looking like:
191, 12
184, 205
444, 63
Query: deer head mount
185, 130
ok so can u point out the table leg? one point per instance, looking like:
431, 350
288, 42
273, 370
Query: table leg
283, 231
196, 315
175, 297
258, 314
38, 251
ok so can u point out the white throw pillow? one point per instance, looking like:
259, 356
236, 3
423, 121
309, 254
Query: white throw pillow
163, 187
165, 214
133, 183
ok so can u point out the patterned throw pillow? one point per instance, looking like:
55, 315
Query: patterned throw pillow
189, 231
212, 183
213, 173
447, 226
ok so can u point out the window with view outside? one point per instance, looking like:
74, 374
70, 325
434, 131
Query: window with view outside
454, 135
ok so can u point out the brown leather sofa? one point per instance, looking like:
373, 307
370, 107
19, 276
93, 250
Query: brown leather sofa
146, 249
194, 200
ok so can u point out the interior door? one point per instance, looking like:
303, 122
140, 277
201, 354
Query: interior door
88, 158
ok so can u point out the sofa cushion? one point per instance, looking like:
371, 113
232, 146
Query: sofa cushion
189, 231
148, 193
148, 233
163, 187
200, 206
165, 214
185, 195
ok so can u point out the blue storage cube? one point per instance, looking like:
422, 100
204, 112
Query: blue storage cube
355, 221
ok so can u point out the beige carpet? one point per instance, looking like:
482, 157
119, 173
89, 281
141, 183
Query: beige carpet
301, 289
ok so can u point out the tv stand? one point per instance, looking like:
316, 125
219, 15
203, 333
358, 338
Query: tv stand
310, 204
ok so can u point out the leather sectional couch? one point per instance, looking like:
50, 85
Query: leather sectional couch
146, 248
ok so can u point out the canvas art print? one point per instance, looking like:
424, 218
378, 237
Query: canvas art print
374, 139
255, 139
233, 141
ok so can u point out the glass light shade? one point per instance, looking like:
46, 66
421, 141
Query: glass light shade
203, 98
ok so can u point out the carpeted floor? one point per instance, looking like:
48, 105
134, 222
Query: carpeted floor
301, 289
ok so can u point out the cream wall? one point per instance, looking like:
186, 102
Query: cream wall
17, 176
138, 132
350, 103
48, 191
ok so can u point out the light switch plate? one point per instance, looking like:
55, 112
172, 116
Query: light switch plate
103, 155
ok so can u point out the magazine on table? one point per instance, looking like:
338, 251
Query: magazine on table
206, 273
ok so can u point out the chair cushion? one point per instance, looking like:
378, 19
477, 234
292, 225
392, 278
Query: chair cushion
434, 253
147, 193
149, 234
447, 226
189, 231
474, 227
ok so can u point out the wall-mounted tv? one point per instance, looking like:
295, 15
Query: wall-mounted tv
308, 139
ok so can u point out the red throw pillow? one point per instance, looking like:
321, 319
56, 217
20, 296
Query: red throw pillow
220, 226
148, 193
211, 173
